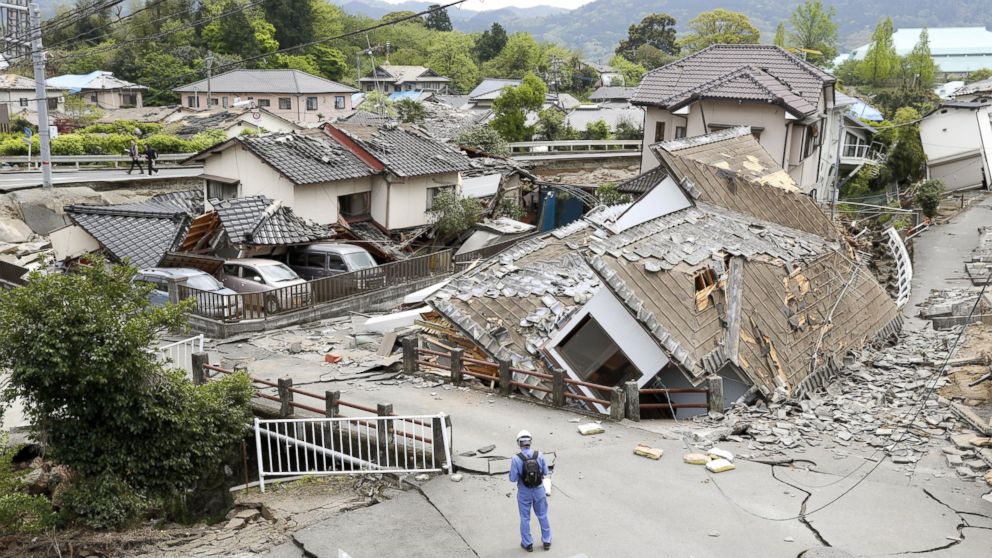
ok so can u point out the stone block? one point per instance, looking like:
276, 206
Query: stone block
648, 451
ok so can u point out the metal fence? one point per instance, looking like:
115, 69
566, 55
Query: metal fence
573, 146
336, 446
180, 353
93, 160
255, 306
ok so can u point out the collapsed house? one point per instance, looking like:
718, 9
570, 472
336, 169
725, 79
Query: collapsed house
167, 228
721, 267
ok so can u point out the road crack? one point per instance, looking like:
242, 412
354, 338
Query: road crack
802, 509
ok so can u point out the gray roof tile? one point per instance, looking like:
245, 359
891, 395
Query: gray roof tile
306, 159
267, 81
259, 220
406, 151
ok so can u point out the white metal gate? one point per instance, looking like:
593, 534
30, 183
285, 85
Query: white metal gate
180, 353
336, 446
904, 266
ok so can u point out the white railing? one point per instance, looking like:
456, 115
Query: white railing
180, 353
349, 446
574, 146
904, 266
79, 160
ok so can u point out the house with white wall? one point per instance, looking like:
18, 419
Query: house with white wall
957, 140
787, 102
101, 89
341, 173
18, 94
392, 78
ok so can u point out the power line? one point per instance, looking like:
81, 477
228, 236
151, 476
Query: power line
118, 21
62, 21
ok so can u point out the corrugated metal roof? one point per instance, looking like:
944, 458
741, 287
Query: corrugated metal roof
954, 49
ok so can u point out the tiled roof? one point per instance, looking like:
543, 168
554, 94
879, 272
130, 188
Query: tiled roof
983, 86
643, 182
747, 72
94, 80
267, 81
402, 74
731, 169
306, 159
608, 92
16, 82
490, 88
140, 232
259, 220
405, 151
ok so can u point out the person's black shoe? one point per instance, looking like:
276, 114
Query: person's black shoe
527, 547
547, 546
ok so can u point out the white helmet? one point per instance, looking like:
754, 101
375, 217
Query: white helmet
523, 435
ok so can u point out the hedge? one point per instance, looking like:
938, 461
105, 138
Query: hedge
110, 144
123, 127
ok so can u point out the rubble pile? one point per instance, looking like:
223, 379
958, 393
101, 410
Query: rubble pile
953, 307
872, 406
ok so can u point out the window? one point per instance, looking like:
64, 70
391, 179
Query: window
334, 263
24, 101
93, 98
679, 132
222, 190
193, 101
311, 103
408, 87
264, 102
594, 357
298, 259
811, 139
397, 88
434, 192
339, 102
316, 260
355, 205
214, 102
53, 103
129, 99
223, 102
285, 103
232, 270
659, 131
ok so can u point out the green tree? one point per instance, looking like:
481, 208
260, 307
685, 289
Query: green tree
292, 20
928, 196
628, 129
513, 104
490, 43
719, 26
76, 348
906, 160
486, 138
405, 15
656, 30
919, 63
453, 214
241, 31
330, 61
410, 111
598, 130
814, 31
521, 54
779, 39
632, 73
552, 125
881, 61
650, 57
449, 56
438, 19
979, 75
609, 195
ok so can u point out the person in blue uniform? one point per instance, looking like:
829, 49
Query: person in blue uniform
528, 469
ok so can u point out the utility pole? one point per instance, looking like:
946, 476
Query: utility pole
40, 92
210, 66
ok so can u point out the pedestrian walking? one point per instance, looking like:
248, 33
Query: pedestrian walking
529, 470
132, 150
150, 156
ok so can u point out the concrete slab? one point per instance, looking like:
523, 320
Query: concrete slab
285, 550
407, 525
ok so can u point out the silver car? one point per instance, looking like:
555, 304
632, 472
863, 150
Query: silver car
327, 259
266, 284
213, 300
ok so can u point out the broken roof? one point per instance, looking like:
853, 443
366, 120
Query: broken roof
16, 82
402, 74
140, 232
643, 182
266, 81
759, 73
983, 86
259, 220
94, 80
404, 150
781, 302
731, 169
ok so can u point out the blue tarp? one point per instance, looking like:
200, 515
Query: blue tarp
73, 82
865, 112
400, 95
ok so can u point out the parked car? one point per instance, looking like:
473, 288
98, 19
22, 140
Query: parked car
206, 285
325, 260
267, 284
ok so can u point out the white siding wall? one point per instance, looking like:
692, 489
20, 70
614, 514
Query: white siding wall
408, 199
319, 202
256, 177
950, 132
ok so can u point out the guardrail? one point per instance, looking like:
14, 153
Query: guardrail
621, 402
254, 306
79, 160
573, 146
181, 353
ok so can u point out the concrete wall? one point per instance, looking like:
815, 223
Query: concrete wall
297, 111
408, 198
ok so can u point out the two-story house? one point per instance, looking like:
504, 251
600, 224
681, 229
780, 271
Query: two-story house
345, 172
787, 102
291, 94
101, 89
392, 78
18, 94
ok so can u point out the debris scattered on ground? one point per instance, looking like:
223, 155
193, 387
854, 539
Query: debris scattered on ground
696, 458
648, 451
717, 453
719, 466
590, 428
457, 477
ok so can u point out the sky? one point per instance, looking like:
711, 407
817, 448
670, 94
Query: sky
497, 4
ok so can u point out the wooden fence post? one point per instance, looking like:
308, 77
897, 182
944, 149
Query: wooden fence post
200, 373
410, 354
457, 366
285, 397
558, 387
331, 403
714, 394
617, 406
384, 430
633, 401
505, 378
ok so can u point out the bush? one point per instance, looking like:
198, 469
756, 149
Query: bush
164, 143
454, 214
20, 512
102, 502
598, 130
203, 140
68, 144
486, 138
126, 127
928, 196
609, 195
